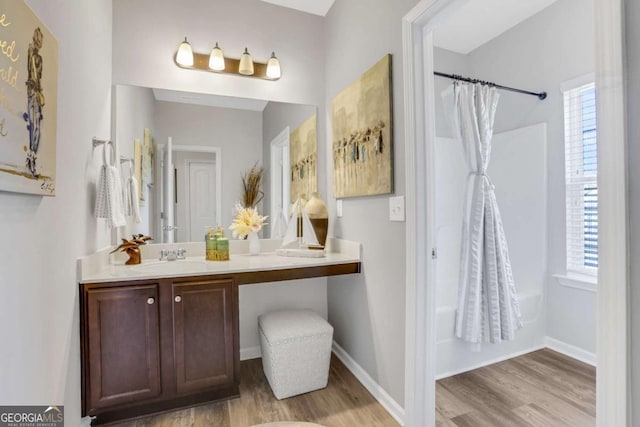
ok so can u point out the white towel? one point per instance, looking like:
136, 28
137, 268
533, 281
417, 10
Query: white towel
109, 192
131, 197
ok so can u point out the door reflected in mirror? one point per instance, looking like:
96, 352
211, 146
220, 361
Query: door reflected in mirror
214, 140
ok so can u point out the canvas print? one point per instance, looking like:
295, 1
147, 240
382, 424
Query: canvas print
137, 168
303, 158
28, 101
362, 135
148, 153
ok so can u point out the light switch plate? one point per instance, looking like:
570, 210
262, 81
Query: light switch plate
339, 208
396, 208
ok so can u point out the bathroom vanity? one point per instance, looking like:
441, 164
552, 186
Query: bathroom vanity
165, 335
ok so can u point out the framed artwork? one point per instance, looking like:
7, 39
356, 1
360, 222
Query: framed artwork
28, 102
303, 159
362, 144
148, 153
137, 168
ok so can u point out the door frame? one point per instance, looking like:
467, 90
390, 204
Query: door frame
187, 192
217, 151
612, 390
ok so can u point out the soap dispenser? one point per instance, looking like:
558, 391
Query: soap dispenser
222, 245
211, 245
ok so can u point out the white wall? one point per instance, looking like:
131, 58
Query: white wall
238, 133
632, 15
518, 171
39, 315
133, 109
542, 52
368, 311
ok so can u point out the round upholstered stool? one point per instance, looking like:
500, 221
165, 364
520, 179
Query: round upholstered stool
296, 351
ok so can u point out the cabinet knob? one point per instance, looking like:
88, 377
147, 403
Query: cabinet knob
178, 298
150, 301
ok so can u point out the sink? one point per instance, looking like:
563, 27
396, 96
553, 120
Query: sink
170, 267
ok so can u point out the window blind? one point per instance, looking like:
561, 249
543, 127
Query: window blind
581, 172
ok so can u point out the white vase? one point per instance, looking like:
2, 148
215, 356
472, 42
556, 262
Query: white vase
254, 243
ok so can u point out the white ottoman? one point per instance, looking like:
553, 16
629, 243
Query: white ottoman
296, 350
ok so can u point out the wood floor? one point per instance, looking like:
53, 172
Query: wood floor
344, 403
541, 389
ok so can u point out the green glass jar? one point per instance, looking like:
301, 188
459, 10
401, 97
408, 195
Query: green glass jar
211, 245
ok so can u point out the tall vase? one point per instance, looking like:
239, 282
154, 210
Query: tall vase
319, 217
254, 243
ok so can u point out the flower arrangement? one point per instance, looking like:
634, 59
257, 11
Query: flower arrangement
247, 220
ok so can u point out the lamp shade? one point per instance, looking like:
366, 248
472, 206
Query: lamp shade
273, 67
216, 59
246, 64
184, 56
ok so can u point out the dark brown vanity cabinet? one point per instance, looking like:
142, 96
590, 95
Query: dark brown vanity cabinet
149, 346
124, 345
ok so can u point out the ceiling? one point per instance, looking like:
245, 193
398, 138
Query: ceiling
209, 100
317, 7
476, 22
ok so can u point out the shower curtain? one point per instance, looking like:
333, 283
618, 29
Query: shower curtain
488, 308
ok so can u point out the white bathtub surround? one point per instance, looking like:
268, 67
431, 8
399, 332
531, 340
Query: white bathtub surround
518, 170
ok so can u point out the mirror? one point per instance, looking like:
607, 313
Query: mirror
214, 141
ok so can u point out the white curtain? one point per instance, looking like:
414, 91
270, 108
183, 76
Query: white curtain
488, 308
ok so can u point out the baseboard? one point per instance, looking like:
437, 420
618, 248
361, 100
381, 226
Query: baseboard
488, 362
571, 351
250, 353
387, 402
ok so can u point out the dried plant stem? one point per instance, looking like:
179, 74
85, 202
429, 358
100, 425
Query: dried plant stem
252, 183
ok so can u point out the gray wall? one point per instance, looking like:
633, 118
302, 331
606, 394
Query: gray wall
237, 132
275, 117
134, 111
540, 54
632, 15
39, 314
368, 311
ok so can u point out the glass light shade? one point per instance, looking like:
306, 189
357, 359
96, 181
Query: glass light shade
216, 59
273, 67
246, 64
184, 56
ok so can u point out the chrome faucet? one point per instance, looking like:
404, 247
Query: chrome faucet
172, 255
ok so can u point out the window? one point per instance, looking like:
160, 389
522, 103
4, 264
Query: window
581, 172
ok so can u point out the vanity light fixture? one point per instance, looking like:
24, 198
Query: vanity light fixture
216, 62
184, 57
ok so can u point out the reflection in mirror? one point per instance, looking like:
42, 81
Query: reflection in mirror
214, 139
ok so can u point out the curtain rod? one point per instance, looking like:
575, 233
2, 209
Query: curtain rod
541, 95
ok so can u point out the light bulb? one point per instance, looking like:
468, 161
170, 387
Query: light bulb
246, 64
184, 56
273, 67
216, 59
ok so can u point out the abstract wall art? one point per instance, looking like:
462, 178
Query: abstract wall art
362, 132
303, 159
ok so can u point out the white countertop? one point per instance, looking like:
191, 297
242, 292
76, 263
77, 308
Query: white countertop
101, 267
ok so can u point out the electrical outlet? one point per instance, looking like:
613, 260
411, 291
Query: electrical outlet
396, 208
339, 208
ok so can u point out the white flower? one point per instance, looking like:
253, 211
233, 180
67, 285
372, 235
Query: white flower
247, 220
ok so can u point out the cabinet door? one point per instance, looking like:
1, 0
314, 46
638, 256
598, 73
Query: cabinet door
123, 345
203, 325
